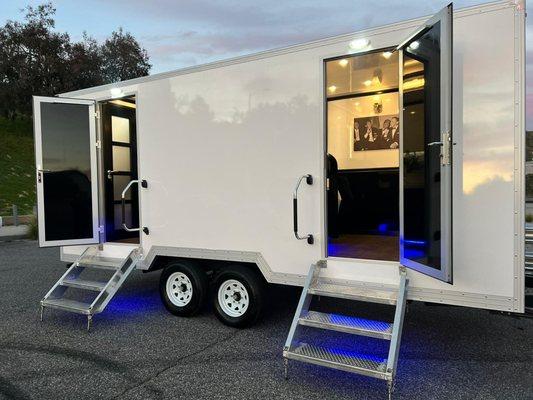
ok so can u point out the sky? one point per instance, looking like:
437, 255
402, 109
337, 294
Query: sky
181, 33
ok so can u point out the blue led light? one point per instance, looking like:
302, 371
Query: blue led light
354, 321
383, 228
350, 353
415, 242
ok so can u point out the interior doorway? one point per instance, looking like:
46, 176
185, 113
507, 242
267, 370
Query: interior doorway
363, 131
119, 149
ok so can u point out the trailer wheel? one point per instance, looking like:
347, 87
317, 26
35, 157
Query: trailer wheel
183, 288
238, 296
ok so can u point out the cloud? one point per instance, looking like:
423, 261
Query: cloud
189, 32
205, 30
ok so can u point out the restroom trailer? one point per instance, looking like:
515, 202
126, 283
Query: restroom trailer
382, 166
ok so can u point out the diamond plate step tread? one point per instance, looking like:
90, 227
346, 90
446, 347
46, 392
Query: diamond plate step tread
84, 284
346, 324
340, 359
353, 293
101, 262
67, 305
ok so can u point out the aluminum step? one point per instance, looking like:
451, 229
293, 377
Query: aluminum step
74, 306
100, 262
346, 324
353, 293
84, 284
340, 359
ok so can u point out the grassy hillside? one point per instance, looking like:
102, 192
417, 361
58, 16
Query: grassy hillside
17, 166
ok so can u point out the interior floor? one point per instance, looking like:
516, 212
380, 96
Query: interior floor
370, 247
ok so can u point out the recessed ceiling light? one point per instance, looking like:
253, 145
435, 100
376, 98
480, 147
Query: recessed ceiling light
343, 63
367, 83
413, 112
359, 44
387, 54
332, 89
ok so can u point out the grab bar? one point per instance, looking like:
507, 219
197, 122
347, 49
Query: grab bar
123, 197
309, 180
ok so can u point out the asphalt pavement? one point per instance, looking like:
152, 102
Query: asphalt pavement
137, 350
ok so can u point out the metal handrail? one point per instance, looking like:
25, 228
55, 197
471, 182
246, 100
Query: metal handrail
309, 180
123, 199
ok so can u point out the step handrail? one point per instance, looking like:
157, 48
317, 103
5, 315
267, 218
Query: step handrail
123, 208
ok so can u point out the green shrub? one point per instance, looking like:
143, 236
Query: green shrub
33, 228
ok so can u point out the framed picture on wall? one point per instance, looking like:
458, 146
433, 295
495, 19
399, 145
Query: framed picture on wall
375, 133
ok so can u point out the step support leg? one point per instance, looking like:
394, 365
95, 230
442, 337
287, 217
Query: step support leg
390, 388
42, 311
286, 365
89, 322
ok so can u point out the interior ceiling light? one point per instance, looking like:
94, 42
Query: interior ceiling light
367, 83
414, 83
123, 103
415, 45
387, 54
332, 89
359, 44
343, 63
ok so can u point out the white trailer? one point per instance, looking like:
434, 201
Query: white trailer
405, 144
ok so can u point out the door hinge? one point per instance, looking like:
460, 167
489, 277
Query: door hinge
98, 144
100, 229
97, 114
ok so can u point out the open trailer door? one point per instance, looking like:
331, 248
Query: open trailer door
66, 163
425, 149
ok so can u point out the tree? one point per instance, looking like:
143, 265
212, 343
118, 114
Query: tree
85, 64
123, 58
37, 60
31, 59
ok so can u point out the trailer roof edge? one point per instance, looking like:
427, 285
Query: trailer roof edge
490, 6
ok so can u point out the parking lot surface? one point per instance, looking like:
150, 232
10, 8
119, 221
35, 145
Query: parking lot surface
137, 350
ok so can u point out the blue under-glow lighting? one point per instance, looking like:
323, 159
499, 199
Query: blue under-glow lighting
354, 321
413, 254
337, 248
383, 228
132, 304
351, 353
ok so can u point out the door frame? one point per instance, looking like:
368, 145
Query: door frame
37, 100
101, 164
117, 233
324, 149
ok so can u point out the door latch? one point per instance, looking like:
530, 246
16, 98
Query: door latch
446, 148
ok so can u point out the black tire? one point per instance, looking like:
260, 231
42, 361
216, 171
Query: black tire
255, 287
190, 304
